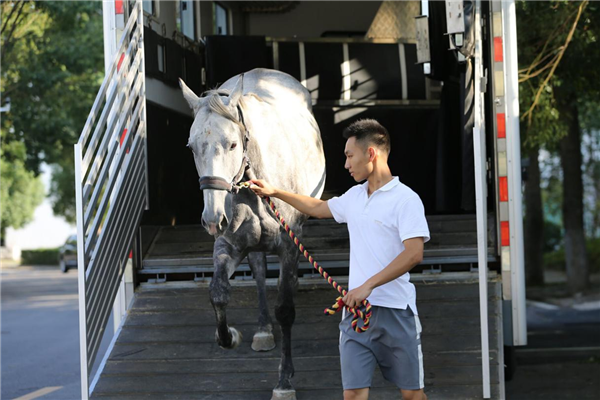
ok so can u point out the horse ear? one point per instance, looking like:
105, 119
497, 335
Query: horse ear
190, 96
237, 92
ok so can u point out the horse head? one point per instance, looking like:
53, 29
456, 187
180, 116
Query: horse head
218, 140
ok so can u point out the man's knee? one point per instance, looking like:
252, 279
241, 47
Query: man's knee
413, 394
356, 394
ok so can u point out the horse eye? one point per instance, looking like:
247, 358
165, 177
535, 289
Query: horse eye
233, 146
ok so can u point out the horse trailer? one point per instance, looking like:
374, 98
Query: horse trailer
440, 76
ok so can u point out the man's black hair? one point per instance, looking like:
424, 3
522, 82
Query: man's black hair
369, 132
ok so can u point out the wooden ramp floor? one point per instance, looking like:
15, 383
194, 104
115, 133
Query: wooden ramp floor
166, 349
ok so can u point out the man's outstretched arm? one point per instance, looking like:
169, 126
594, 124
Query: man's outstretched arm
308, 205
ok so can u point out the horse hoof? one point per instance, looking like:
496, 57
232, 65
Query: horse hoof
236, 338
263, 341
279, 394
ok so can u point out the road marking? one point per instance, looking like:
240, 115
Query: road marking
39, 393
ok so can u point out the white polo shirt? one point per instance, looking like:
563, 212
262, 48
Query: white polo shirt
378, 225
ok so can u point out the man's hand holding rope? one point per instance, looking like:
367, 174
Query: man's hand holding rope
355, 297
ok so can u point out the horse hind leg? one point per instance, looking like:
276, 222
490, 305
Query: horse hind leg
263, 339
226, 259
285, 312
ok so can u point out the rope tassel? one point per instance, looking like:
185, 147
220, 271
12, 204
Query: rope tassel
339, 305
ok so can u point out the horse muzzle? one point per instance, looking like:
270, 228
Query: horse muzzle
214, 228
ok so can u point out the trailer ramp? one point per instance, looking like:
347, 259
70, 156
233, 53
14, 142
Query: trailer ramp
166, 348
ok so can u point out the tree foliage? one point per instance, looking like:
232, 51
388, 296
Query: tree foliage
560, 78
52, 67
590, 124
543, 31
558, 55
21, 191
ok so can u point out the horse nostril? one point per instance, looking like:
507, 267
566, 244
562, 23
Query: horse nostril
204, 223
223, 223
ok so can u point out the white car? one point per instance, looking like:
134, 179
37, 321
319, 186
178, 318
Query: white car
67, 257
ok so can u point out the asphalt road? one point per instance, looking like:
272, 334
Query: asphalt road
40, 334
562, 356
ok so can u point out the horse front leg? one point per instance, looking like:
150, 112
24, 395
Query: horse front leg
285, 312
226, 259
263, 338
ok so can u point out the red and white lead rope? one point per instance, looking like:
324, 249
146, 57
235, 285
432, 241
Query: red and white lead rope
339, 304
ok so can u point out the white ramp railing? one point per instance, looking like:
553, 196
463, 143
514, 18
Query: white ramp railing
111, 187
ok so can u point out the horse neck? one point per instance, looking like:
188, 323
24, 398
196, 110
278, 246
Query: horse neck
273, 149
261, 144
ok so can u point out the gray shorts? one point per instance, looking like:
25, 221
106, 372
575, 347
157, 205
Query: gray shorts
393, 342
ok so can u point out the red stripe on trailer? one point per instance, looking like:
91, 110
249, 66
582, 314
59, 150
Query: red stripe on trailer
130, 254
123, 137
119, 9
120, 62
498, 54
505, 233
503, 189
501, 125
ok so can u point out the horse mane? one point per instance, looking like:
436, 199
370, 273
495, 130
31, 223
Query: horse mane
214, 98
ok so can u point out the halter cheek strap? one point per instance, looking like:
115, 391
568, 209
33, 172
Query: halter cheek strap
218, 183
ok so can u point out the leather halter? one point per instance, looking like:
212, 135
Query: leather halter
218, 183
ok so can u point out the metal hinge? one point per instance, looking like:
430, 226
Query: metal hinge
246, 276
433, 270
158, 279
484, 81
199, 277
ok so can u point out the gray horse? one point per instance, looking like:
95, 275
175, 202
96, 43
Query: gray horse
258, 125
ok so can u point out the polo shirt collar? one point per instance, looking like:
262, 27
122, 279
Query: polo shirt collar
388, 186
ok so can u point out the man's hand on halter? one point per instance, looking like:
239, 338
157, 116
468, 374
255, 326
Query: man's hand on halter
355, 297
262, 188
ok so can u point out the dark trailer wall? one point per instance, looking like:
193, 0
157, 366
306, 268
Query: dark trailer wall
323, 45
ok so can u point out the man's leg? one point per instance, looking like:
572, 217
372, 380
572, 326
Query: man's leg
356, 358
356, 394
399, 354
413, 394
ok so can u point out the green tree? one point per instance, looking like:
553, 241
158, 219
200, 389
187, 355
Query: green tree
559, 58
62, 188
21, 192
590, 123
539, 129
52, 67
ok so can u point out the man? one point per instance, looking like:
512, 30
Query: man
387, 226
